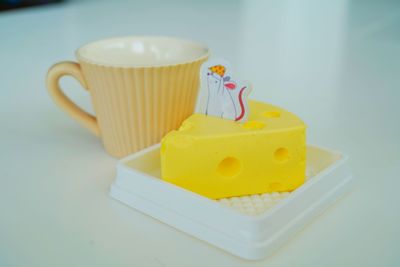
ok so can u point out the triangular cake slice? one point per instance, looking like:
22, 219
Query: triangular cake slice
220, 158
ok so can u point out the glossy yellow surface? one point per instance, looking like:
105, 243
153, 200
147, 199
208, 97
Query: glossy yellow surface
219, 158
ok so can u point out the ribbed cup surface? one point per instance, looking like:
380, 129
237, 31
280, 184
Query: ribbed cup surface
136, 107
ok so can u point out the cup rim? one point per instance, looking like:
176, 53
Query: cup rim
83, 58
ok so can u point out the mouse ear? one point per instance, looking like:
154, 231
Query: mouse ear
227, 78
230, 85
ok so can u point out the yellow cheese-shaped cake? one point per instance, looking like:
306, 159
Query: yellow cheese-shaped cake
220, 158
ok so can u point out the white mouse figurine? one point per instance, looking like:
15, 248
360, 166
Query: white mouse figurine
225, 97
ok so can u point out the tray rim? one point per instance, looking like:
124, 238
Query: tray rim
343, 158
247, 236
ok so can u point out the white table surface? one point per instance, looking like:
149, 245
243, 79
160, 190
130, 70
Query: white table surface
334, 63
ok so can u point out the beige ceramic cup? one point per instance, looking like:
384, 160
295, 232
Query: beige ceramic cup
141, 88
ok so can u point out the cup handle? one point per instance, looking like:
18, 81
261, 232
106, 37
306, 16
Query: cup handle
53, 77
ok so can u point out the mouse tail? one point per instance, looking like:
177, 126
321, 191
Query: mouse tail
241, 103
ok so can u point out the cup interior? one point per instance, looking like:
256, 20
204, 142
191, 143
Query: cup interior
142, 51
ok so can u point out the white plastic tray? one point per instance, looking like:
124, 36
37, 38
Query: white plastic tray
250, 227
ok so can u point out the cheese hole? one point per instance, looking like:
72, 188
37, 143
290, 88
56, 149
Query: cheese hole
257, 125
272, 114
281, 154
229, 167
186, 126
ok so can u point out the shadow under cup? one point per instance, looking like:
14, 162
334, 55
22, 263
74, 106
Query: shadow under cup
141, 88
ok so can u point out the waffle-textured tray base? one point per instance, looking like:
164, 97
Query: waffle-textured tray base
254, 204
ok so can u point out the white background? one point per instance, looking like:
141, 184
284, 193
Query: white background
334, 63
